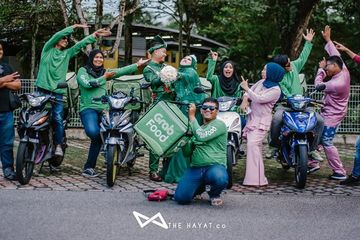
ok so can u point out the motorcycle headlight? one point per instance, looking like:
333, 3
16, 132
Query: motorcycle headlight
125, 121
117, 103
225, 106
35, 101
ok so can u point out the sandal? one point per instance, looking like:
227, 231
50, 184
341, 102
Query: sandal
217, 202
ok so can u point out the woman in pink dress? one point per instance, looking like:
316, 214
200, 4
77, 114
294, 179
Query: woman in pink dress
263, 95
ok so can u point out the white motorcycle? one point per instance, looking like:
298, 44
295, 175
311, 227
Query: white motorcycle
229, 115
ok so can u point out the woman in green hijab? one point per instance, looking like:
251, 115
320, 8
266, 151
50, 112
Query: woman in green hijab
188, 79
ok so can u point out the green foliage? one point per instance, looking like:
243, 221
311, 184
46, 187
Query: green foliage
255, 31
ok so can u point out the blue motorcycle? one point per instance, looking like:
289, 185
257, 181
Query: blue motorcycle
296, 135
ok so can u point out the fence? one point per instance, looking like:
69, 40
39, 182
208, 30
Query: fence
351, 123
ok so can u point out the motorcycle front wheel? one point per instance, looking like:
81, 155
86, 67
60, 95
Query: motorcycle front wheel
229, 164
112, 154
301, 156
25, 162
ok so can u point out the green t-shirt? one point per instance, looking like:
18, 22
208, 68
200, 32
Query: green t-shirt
88, 92
214, 80
210, 142
151, 74
290, 84
54, 62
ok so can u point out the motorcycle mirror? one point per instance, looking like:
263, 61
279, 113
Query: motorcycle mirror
199, 90
145, 85
62, 85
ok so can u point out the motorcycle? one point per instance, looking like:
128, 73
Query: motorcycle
296, 135
120, 142
36, 135
228, 114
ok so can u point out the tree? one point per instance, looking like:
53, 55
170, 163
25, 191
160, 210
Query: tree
182, 12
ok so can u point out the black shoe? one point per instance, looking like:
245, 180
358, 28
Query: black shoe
9, 174
337, 176
351, 181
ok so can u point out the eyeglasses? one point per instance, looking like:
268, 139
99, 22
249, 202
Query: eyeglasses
211, 108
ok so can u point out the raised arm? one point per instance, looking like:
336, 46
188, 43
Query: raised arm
211, 68
57, 37
74, 50
321, 74
300, 62
351, 54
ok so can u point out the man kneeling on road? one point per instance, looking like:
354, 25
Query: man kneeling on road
207, 149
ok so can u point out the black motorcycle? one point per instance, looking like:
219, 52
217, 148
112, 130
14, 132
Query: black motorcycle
36, 135
121, 144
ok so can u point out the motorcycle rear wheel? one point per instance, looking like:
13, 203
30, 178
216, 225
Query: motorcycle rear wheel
25, 162
230, 154
112, 153
301, 156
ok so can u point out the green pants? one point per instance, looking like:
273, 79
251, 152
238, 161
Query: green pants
153, 163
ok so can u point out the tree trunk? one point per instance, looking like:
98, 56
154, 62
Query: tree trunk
188, 40
128, 40
99, 14
33, 44
292, 41
80, 14
63, 9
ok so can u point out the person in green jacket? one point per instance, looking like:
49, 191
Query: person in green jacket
53, 67
159, 91
92, 83
225, 84
290, 86
208, 156
187, 80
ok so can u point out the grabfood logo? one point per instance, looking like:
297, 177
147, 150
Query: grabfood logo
204, 133
138, 216
160, 127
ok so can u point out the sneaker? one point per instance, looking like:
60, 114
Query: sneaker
312, 169
337, 176
216, 201
154, 176
316, 156
59, 150
271, 153
9, 174
89, 172
351, 181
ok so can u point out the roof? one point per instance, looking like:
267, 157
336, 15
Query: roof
154, 30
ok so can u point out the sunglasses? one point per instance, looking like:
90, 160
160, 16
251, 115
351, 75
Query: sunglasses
211, 108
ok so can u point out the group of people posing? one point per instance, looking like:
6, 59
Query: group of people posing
202, 161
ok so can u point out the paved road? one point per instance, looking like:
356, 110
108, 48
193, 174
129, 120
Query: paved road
108, 215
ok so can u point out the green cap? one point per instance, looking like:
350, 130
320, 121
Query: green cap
157, 43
